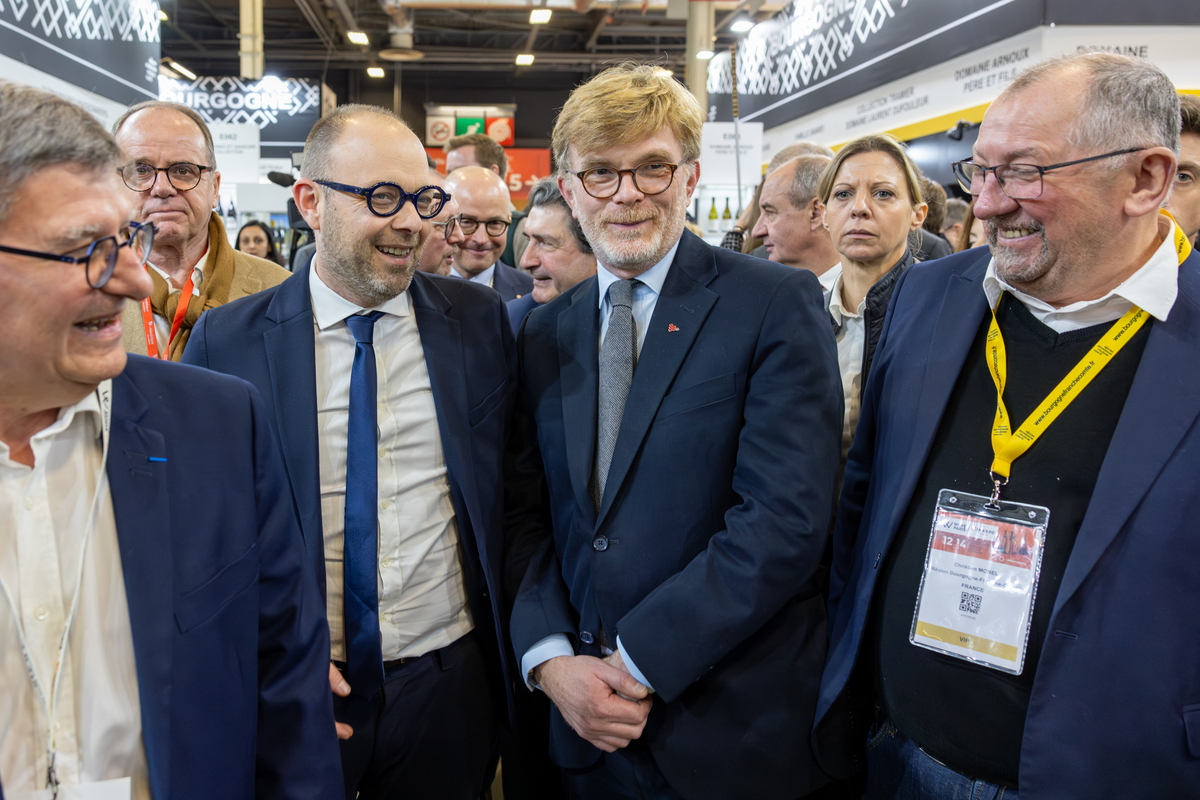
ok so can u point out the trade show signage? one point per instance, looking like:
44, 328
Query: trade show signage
442, 122
717, 142
526, 166
283, 109
815, 53
109, 47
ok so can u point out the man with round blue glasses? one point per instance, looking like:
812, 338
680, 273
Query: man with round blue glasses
394, 395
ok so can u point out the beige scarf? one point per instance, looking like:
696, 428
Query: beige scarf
214, 289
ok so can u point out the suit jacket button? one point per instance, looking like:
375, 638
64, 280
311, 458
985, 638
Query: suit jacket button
600, 543
586, 637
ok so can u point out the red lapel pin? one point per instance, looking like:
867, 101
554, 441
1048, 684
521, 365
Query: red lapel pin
672, 328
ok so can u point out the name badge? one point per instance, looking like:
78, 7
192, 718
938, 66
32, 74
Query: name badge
981, 573
116, 789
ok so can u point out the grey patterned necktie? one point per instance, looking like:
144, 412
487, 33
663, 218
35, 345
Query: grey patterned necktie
618, 358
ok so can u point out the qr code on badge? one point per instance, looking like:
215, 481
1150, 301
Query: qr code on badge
969, 603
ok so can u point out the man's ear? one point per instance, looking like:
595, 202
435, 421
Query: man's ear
1153, 177
816, 214
308, 200
568, 193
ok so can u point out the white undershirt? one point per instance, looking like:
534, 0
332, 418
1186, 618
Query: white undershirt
44, 511
422, 595
851, 339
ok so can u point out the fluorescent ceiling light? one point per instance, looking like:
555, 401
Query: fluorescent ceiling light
539, 16
375, 72
742, 25
704, 55
162, 15
357, 37
524, 59
182, 70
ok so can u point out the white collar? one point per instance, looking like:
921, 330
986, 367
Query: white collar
835, 303
330, 308
653, 278
1152, 288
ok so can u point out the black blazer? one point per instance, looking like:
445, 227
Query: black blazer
510, 282
715, 517
267, 339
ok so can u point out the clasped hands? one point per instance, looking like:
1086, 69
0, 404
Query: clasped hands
597, 697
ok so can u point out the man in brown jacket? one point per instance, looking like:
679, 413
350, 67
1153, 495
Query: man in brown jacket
170, 168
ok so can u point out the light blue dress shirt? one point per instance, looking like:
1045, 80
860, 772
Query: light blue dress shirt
645, 298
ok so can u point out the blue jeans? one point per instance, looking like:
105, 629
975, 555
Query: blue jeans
899, 770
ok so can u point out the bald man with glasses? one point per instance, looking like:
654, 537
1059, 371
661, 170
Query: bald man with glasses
170, 170
484, 215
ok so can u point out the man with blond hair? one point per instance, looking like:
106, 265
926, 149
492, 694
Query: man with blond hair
1012, 602
686, 402
170, 170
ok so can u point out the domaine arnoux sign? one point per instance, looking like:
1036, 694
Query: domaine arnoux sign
815, 53
109, 47
284, 109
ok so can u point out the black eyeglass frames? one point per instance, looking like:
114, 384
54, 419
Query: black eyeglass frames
183, 175
385, 199
1018, 181
494, 227
100, 258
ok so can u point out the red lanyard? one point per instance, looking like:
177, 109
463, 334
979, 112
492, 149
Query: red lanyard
180, 312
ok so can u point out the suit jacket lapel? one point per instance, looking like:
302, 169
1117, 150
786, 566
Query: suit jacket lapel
578, 367
291, 360
142, 511
685, 302
963, 306
441, 342
1162, 406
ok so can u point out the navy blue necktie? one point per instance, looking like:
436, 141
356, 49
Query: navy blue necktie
364, 656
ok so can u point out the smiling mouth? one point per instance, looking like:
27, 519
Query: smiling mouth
97, 323
395, 252
1015, 233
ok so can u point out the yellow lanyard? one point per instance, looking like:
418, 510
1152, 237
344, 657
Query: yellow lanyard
1007, 445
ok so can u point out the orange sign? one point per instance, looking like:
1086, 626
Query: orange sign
526, 166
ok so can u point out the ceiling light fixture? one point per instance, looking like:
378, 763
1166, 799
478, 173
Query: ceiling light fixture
539, 16
742, 25
162, 15
524, 59
375, 72
357, 37
704, 55
182, 70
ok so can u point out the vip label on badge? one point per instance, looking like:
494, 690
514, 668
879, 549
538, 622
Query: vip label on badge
980, 580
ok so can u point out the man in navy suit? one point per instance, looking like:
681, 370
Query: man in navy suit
397, 470
484, 217
1080, 680
146, 523
686, 402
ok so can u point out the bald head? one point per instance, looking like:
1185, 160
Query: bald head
437, 255
482, 197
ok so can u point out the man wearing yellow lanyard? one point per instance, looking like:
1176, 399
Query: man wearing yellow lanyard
170, 170
1013, 597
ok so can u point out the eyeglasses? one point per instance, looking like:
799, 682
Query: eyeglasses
385, 199
494, 227
140, 177
446, 229
649, 179
100, 259
1018, 181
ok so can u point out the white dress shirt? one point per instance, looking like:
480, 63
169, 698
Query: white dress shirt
45, 511
1153, 288
645, 298
422, 595
829, 277
485, 277
851, 339
162, 325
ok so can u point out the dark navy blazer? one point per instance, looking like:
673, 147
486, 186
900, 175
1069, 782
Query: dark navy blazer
1115, 707
229, 629
703, 555
267, 339
518, 309
511, 282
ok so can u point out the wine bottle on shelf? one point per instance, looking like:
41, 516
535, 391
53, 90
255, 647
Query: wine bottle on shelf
727, 217
714, 223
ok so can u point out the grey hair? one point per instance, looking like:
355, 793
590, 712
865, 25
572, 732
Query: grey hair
210, 152
40, 130
545, 194
956, 212
1128, 102
806, 179
795, 150
318, 147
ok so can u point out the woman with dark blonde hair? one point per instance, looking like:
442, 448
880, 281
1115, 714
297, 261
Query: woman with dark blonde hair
871, 195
